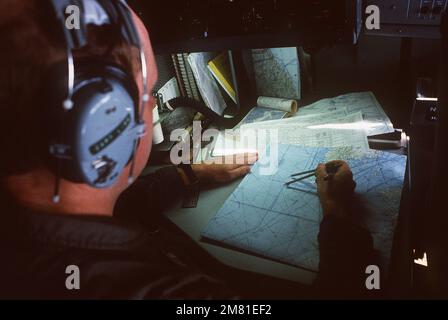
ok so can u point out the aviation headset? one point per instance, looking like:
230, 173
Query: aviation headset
98, 112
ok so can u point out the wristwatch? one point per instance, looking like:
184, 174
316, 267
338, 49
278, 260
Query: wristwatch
192, 195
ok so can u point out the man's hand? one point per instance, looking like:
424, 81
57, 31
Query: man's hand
232, 168
335, 189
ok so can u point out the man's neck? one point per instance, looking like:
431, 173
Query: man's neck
35, 191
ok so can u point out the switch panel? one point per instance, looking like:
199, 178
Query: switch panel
419, 18
198, 25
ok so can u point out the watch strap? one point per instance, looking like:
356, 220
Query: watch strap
191, 196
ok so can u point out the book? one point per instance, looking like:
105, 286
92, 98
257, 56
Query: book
220, 69
208, 88
191, 79
179, 76
185, 77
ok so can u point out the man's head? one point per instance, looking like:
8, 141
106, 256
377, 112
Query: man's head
31, 45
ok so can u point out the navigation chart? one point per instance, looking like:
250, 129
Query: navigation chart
266, 218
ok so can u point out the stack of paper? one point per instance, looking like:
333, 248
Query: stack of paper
375, 119
207, 86
342, 121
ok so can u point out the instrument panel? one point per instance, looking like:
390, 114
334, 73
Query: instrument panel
410, 18
185, 20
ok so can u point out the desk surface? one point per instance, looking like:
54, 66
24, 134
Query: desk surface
193, 221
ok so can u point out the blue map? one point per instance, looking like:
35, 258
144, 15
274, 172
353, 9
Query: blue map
277, 72
259, 114
266, 218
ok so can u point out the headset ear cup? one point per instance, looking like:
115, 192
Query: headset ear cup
99, 130
131, 86
104, 127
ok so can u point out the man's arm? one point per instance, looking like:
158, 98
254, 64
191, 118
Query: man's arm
346, 249
146, 199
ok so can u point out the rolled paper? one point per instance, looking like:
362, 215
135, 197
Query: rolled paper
285, 105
